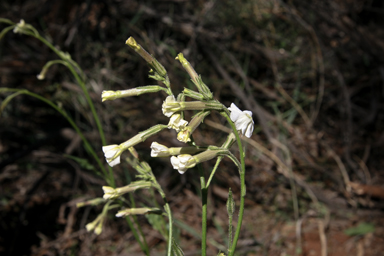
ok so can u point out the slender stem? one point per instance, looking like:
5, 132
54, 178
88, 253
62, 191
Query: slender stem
231, 251
204, 212
81, 83
170, 231
169, 213
144, 244
214, 170
63, 113
136, 235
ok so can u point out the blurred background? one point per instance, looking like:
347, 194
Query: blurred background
312, 73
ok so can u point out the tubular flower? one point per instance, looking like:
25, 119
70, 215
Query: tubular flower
137, 211
159, 150
242, 119
113, 193
184, 136
176, 122
112, 154
112, 95
109, 192
183, 162
167, 109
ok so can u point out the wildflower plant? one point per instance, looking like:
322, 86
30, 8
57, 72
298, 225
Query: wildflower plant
181, 158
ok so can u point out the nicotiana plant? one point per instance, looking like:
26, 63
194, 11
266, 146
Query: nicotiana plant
181, 158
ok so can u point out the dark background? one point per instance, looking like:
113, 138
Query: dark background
312, 73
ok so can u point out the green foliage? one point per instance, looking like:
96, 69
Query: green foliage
362, 229
157, 223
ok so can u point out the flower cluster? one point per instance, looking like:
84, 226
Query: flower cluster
181, 158
173, 108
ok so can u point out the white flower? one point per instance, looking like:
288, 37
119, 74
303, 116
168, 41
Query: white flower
108, 95
167, 109
184, 135
159, 150
176, 122
109, 193
19, 27
183, 162
242, 119
112, 154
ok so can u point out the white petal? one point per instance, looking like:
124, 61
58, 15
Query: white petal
108, 189
110, 151
180, 161
183, 159
159, 150
248, 113
114, 161
166, 111
175, 162
182, 170
242, 119
176, 122
120, 214
235, 112
249, 131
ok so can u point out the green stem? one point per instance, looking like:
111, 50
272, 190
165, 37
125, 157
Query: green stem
214, 170
81, 83
231, 251
73, 124
170, 231
169, 213
136, 235
204, 200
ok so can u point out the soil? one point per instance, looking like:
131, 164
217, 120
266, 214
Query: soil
312, 73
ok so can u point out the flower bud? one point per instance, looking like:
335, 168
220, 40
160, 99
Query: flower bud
146, 56
171, 105
93, 202
176, 122
112, 95
113, 193
137, 211
97, 225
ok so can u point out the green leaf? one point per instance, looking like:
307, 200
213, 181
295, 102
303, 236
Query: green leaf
176, 249
362, 229
82, 162
157, 223
230, 204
